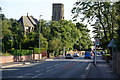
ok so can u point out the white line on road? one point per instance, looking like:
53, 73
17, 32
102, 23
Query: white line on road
88, 66
37, 75
38, 71
49, 70
19, 76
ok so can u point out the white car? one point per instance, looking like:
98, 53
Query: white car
76, 55
69, 56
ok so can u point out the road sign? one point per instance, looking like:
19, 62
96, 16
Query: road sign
97, 41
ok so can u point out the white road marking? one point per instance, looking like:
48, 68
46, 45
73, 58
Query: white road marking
37, 75
38, 71
88, 66
19, 76
49, 70
82, 75
55, 65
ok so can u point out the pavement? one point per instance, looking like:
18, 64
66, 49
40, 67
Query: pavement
14, 64
102, 70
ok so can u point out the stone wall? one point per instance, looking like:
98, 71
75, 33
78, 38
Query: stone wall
116, 62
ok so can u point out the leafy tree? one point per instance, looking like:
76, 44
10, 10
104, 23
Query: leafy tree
43, 41
84, 40
17, 33
103, 14
55, 45
117, 18
6, 34
54, 36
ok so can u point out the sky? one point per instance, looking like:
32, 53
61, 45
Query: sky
17, 8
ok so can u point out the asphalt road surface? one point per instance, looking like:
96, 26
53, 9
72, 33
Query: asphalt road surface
57, 68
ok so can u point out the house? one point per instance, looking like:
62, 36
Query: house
28, 23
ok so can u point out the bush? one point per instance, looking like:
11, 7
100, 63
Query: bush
22, 52
6, 54
37, 50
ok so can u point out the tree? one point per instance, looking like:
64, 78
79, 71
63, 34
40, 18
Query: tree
0, 9
17, 33
6, 34
117, 18
85, 40
103, 14
55, 45
54, 36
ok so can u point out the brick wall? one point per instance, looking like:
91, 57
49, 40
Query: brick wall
7, 59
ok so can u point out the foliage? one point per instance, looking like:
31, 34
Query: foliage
85, 40
103, 14
6, 54
117, 5
22, 52
37, 50
54, 36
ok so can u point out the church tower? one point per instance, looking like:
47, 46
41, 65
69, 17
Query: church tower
57, 12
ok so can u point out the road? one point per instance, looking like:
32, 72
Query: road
57, 68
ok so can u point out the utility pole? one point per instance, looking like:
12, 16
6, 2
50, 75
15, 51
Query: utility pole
64, 51
0, 30
39, 30
80, 46
95, 55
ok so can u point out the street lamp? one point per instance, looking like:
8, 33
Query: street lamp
80, 44
1, 30
39, 29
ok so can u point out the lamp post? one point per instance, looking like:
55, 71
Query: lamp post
1, 30
80, 44
97, 42
39, 29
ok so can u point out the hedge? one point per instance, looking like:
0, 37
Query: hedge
21, 52
37, 50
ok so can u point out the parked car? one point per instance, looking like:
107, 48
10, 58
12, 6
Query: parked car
87, 55
76, 55
69, 56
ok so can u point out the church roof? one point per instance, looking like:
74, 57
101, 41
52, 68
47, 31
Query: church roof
27, 21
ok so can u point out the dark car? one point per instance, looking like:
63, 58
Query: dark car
87, 55
69, 56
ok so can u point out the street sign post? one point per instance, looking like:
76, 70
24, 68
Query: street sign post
97, 42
